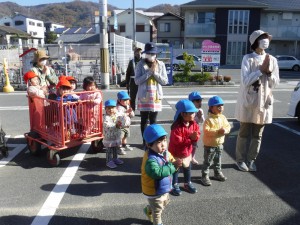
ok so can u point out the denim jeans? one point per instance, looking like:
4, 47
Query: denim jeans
145, 115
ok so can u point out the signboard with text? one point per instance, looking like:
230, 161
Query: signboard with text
210, 55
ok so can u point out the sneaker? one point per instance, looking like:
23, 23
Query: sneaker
176, 190
148, 213
111, 164
205, 180
118, 161
121, 151
242, 166
128, 148
195, 162
251, 166
220, 176
189, 187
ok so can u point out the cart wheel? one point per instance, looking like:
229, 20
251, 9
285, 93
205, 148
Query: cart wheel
53, 158
33, 146
97, 146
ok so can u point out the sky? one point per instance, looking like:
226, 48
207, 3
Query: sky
122, 4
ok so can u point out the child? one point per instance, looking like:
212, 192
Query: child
184, 133
123, 107
157, 167
93, 108
112, 134
196, 98
215, 127
34, 87
73, 83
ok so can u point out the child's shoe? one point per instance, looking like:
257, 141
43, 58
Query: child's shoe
127, 148
251, 166
219, 176
176, 190
118, 161
121, 151
189, 187
205, 180
148, 213
111, 164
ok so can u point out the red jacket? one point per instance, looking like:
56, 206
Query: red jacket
181, 145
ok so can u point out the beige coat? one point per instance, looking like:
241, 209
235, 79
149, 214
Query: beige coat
256, 106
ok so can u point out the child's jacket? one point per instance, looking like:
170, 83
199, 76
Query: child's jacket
181, 145
157, 173
210, 127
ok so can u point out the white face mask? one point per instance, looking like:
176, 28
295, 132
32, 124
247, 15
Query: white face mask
151, 58
264, 43
43, 62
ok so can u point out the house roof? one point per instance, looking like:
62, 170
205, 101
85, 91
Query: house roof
226, 3
11, 30
74, 30
169, 14
148, 14
73, 38
290, 5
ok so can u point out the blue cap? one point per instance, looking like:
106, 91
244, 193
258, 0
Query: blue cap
110, 102
215, 100
153, 132
123, 95
150, 48
184, 105
195, 95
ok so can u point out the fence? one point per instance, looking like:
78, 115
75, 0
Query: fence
81, 59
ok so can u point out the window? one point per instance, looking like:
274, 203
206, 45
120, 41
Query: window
238, 21
39, 24
19, 22
165, 27
31, 23
206, 17
235, 52
140, 28
7, 24
111, 28
122, 28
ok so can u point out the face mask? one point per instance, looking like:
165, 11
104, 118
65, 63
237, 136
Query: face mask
150, 58
264, 43
43, 63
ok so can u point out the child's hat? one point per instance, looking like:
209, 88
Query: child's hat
123, 95
110, 102
195, 95
29, 75
153, 132
184, 105
63, 82
70, 78
215, 100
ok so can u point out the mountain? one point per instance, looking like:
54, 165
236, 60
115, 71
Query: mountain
71, 14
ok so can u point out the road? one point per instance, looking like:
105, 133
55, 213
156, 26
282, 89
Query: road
83, 191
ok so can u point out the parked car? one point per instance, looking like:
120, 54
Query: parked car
179, 60
294, 108
288, 62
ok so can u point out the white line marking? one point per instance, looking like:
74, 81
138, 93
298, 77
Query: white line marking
3, 108
287, 128
52, 202
12, 154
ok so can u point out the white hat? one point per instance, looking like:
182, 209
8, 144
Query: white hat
256, 34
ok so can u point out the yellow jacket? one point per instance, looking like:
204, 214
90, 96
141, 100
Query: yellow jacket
210, 129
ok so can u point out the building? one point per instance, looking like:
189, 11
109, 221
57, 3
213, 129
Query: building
230, 23
50, 26
11, 36
170, 29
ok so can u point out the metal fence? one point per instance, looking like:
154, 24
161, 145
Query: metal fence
78, 60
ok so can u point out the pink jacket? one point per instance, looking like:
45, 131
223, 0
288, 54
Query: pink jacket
181, 145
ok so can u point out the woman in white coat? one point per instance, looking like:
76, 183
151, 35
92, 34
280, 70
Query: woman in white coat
254, 108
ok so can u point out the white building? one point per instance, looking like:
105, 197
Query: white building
49, 26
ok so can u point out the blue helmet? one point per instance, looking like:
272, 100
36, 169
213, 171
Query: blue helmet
110, 102
184, 105
215, 100
123, 95
195, 95
153, 132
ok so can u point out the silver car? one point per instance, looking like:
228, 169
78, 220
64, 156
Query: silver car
288, 62
179, 60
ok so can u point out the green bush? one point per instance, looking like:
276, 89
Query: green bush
180, 77
194, 77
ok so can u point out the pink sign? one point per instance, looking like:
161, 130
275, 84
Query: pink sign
209, 46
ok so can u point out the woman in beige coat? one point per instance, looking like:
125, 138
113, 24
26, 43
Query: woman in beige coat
254, 108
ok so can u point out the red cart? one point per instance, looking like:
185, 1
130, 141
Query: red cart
60, 125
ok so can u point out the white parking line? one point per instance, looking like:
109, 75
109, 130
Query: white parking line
12, 154
52, 202
287, 128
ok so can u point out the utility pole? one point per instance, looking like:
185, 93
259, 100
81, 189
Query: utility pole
134, 24
104, 53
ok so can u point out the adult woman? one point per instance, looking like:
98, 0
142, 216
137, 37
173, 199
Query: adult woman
150, 74
254, 108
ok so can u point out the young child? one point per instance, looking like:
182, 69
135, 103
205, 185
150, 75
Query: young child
196, 98
34, 88
73, 83
157, 168
123, 107
184, 133
112, 134
214, 128
92, 109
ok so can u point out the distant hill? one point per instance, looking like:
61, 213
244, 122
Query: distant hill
71, 14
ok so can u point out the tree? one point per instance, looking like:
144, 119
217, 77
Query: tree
189, 64
50, 37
